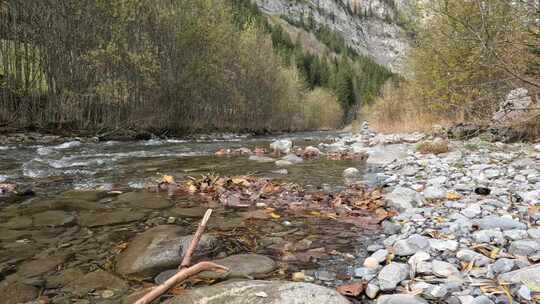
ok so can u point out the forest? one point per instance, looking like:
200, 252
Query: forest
171, 67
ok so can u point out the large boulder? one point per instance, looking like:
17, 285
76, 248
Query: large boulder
261, 292
158, 249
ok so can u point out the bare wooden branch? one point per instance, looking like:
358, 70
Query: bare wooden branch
178, 278
186, 261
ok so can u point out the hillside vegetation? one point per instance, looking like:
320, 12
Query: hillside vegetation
467, 56
171, 67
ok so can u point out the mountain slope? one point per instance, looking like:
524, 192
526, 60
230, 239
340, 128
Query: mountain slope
370, 27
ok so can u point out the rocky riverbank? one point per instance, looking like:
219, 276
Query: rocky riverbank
466, 229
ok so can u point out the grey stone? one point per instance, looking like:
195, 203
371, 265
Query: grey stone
472, 211
365, 273
516, 234
527, 275
534, 233
282, 146
40, 266
468, 255
434, 193
411, 245
400, 299
501, 266
443, 245
390, 228
487, 236
391, 275
261, 159
260, 292
504, 223
524, 247
524, 292
404, 199
444, 269
283, 163
481, 300
158, 249
372, 289
242, 266
189, 212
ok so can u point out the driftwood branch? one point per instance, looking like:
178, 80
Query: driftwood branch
186, 261
185, 271
177, 278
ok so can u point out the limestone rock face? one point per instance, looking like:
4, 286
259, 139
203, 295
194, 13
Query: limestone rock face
261, 292
364, 27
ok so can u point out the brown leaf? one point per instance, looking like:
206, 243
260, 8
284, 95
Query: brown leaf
352, 290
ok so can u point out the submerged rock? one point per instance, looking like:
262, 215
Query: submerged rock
97, 280
261, 292
13, 291
158, 249
119, 216
242, 266
144, 200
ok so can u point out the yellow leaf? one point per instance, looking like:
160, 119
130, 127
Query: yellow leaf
495, 252
453, 196
315, 213
168, 179
275, 215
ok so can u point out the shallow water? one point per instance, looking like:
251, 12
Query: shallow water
128, 166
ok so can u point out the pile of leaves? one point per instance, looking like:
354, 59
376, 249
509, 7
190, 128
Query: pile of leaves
356, 204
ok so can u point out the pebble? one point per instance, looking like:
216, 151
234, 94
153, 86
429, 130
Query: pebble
391, 275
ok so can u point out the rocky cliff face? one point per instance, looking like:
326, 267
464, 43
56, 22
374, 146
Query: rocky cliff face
369, 26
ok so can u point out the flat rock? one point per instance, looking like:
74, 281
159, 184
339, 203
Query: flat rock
503, 223
18, 222
524, 247
158, 249
400, 299
391, 275
119, 216
10, 235
40, 266
64, 278
190, 212
261, 159
528, 275
411, 245
85, 195
97, 280
261, 292
53, 218
13, 291
242, 266
144, 200
444, 269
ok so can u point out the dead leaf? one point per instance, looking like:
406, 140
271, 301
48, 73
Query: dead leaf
352, 290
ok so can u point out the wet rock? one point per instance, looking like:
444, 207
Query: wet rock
524, 247
87, 195
119, 216
97, 280
261, 159
283, 163
192, 212
400, 299
282, 146
144, 200
13, 291
242, 266
18, 222
261, 292
391, 275
40, 266
351, 173
158, 249
503, 223
53, 218
292, 159
63, 279
444, 269
404, 199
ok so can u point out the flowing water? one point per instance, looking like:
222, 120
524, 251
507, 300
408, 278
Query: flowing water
329, 253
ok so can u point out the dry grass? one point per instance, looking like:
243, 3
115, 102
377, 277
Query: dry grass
433, 147
529, 127
399, 111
